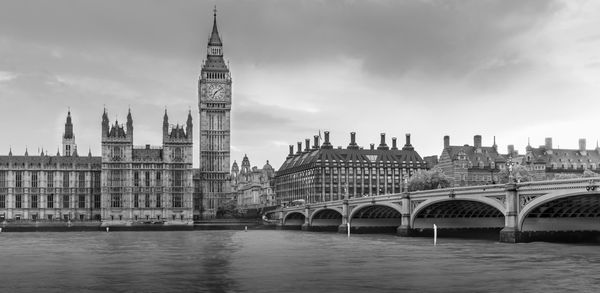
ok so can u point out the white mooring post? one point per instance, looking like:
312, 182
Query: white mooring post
348, 226
106, 229
434, 235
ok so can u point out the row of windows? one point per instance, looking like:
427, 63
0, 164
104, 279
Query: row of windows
34, 180
52, 201
116, 201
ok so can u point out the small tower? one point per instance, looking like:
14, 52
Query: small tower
68, 141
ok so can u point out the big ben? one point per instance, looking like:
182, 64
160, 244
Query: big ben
214, 102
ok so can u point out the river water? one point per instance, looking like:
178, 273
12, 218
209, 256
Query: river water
287, 261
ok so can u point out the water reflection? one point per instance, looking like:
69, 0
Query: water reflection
286, 261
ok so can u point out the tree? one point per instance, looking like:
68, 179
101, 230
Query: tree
228, 209
520, 173
590, 173
428, 179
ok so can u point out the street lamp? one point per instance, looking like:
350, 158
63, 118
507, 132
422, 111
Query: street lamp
509, 165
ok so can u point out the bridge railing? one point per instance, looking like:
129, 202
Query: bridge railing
560, 184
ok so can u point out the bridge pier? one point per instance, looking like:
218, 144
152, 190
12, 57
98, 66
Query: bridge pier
404, 229
511, 232
343, 228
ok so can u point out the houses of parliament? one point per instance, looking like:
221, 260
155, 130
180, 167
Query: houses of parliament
129, 183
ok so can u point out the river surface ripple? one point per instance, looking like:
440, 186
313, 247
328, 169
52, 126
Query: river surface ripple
287, 261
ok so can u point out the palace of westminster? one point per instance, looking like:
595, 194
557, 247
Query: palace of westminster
129, 183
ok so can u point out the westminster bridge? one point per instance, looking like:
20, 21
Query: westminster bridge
521, 212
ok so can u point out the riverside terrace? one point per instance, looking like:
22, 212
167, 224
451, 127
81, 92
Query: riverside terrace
565, 210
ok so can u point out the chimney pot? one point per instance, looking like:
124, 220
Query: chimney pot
291, 149
299, 147
446, 141
408, 139
307, 143
394, 146
316, 139
372, 146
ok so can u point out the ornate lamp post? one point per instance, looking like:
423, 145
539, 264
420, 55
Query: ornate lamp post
509, 165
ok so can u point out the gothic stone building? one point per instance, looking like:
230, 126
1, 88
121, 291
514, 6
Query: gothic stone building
145, 183
324, 173
471, 165
43, 187
252, 187
214, 103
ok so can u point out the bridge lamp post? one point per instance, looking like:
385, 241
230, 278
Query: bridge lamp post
509, 165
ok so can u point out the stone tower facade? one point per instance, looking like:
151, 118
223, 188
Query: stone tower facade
68, 141
147, 183
214, 102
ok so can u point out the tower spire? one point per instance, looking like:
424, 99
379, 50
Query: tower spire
215, 40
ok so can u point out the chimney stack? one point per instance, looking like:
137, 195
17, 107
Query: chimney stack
548, 144
372, 146
299, 148
382, 144
352, 145
408, 146
477, 141
316, 138
582, 144
326, 143
307, 143
394, 146
446, 141
291, 150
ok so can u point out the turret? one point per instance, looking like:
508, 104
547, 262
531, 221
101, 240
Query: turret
189, 126
68, 140
165, 126
129, 125
104, 123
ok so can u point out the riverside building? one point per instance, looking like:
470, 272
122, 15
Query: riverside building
43, 187
147, 183
320, 173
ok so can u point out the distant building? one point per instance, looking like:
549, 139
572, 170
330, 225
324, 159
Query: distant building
43, 187
471, 165
147, 183
252, 187
546, 162
324, 173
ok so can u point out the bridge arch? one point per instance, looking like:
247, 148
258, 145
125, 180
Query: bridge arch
575, 211
326, 217
378, 217
476, 212
294, 219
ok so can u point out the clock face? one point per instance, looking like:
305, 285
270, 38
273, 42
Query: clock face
215, 92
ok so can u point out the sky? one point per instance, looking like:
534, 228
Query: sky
516, 70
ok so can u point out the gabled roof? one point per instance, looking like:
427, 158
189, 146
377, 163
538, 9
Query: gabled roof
474, 154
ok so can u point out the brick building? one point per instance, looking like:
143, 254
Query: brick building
320, 173
471, 165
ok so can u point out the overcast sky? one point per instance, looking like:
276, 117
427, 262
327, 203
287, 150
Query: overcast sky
510, 69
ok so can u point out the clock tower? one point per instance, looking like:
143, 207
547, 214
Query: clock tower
214, 102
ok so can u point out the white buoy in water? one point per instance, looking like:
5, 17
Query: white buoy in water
348, 226
106, 229
434, 235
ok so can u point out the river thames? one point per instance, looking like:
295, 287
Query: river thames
287, 261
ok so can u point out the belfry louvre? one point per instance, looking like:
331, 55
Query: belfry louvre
324, 173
